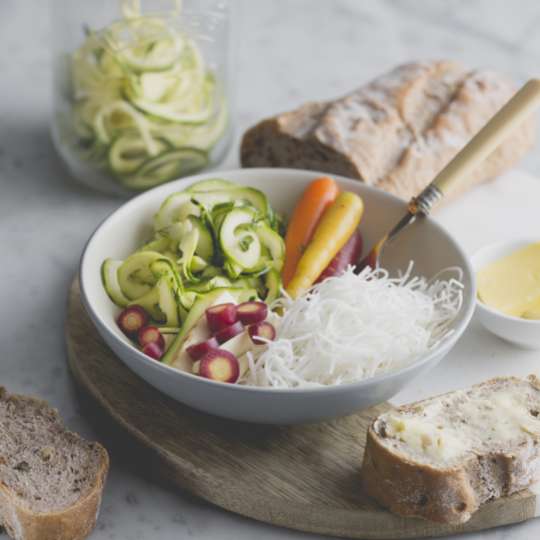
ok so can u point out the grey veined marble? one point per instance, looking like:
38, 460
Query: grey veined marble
289, 51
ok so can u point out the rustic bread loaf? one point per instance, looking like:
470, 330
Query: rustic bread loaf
51, 480
441, 458
396, 133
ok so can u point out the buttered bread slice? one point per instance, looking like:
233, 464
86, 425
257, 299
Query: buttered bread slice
441, 458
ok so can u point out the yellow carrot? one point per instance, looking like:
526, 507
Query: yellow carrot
320, 194
333, 231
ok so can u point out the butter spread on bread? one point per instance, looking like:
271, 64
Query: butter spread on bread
441, 458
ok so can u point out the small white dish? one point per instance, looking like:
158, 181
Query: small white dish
426, 242
522, 332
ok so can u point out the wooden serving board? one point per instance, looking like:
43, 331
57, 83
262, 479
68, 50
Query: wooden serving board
301, 477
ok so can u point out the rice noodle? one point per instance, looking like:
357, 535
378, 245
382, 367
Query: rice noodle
356, 326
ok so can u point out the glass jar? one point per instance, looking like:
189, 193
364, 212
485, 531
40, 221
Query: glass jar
142, 92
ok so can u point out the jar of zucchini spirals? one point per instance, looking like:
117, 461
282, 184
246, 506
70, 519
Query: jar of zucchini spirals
142, 89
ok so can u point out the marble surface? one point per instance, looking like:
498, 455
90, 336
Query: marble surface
289, 51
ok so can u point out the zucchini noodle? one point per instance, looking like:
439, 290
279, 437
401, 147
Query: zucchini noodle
145, 106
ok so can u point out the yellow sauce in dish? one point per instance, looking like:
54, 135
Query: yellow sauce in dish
511, 284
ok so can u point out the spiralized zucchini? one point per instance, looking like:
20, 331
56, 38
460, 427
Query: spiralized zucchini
145, 105
213, 235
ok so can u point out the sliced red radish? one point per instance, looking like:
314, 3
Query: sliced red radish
151, 334
220, 316
200, 349
252, 312
153, 350
262, 332
132, 319
229, 332
220, 365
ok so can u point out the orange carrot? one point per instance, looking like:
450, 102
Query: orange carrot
332, 232
316, 198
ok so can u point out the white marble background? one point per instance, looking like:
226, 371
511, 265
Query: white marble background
289, 51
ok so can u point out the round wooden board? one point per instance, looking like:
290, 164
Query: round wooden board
301, 477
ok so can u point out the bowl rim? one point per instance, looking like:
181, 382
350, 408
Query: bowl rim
442, 347
511, 245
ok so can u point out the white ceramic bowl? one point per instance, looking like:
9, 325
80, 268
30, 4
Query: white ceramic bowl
426, 243
522, 332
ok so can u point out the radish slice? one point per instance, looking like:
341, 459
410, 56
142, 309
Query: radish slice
150, 334
229, 332
153, 350
252, 312
220, 316
200, 349
262, 332
220, 365
132, 319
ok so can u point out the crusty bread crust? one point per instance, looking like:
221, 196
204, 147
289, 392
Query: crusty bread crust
396, 132
73, 523
445, 495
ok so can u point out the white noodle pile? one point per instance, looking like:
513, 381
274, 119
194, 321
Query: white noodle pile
352, 327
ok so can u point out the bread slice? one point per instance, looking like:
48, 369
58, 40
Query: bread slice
396, 132
51, 480
441, 458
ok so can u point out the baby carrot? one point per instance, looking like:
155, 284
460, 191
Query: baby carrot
316, 198
335, 228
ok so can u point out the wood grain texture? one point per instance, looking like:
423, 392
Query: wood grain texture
301, 477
